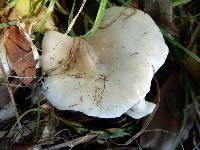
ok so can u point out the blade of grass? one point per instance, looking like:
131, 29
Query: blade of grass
179, 2
194, 37
71, 15
174, 42
102, 134
120, 133
99, 17
75, 125
61, 9
31, 8
46, 16
6, 24
185, 110
24, 114
74, 20
37, 7
126, 3
39, 96
12, 3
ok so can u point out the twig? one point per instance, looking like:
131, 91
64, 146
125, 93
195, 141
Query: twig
73, 143
12, 98
61, 132
24, 114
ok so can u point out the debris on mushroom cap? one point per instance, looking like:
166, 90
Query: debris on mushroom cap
121, 57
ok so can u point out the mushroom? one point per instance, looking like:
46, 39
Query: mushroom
110, 73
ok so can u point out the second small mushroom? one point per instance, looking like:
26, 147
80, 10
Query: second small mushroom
110, 73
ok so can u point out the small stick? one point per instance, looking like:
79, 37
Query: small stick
12, 98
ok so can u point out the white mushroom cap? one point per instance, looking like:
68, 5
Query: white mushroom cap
112, 75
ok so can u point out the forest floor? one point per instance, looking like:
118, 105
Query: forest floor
176, 123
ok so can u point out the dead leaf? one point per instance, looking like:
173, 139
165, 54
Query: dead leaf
169, 116
20, 54
4, 95
193, 68
160, 11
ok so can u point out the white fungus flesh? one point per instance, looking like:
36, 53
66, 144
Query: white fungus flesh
110, 73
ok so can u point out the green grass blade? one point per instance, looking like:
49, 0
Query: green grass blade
46, 16
12, 3
173, 41
38, 97
185, 110
74, 19
99, 17
71, 15
179, 2
61, 9
37, 7
6, 24
75, 125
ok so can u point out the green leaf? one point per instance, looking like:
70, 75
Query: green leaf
71, 18
61, 9
7, 24
118, 134
46, 16
179, 2
37, 7
99, 17
75, 125
174, 42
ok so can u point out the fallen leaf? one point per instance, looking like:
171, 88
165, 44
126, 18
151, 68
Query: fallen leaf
20, 54
168, 118
4, 95
160, 11
193, 68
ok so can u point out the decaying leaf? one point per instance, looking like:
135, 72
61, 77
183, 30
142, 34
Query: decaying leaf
20, 54
4, 95
193, 68
160, 11
168, 118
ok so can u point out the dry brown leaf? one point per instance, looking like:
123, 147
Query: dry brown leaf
4, 95
193, 68
20, 54
169, 116
160, 11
